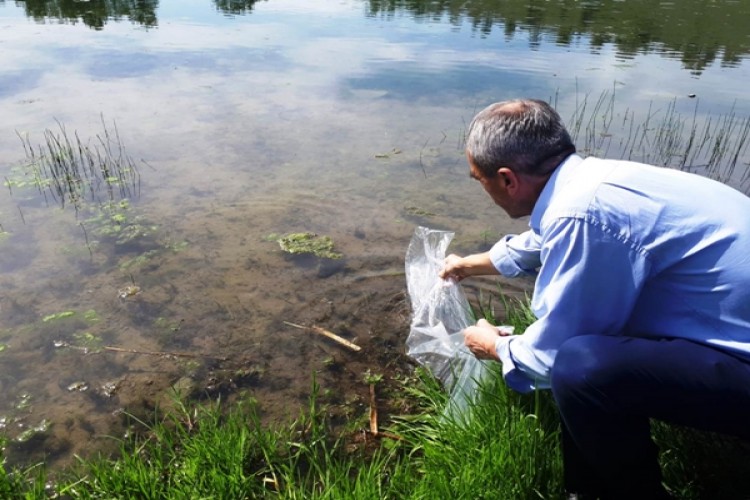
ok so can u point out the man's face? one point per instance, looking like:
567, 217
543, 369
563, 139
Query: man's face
496, 187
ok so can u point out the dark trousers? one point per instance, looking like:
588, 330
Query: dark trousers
607, 389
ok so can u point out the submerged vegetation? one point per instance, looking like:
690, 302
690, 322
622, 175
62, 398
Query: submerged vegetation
115, 222
100, 181
96, 177
307, 243
69, 171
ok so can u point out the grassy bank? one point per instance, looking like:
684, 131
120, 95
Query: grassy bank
507, 448
504, 451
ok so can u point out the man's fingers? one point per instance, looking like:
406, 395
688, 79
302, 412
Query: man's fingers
452, 268
481, 341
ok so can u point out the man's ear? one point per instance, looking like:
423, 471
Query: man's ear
508, 178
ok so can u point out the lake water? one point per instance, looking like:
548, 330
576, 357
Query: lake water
249, 120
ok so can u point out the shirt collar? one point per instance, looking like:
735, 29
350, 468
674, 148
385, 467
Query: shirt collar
560, 177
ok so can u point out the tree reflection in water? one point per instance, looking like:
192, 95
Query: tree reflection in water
698, 32
97, 13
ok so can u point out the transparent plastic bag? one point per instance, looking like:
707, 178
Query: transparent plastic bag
440, 312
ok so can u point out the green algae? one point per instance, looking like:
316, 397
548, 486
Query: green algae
307, 242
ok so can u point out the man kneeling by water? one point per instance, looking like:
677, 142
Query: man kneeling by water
642, 295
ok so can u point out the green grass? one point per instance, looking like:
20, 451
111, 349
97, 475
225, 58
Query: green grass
205, 452
506, 447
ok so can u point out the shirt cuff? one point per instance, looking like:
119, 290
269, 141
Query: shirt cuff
502, 261
514, 377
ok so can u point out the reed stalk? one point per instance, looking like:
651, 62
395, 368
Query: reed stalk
74, 172
714, 146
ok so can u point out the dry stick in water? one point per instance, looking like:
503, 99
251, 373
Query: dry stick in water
373, 412
374, 419
326, 333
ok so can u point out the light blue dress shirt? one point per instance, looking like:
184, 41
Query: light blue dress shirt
622, 248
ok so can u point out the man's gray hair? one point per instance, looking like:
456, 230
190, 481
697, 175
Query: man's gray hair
524, 135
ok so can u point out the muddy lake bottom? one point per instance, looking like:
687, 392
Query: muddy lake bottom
97, 342
221, 349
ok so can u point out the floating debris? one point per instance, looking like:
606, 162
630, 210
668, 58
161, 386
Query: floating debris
23, 402
109, 389
28, 434
418, 212
128, 291
79, 386
393, 151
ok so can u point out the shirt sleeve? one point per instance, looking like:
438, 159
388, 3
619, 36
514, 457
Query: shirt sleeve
517, 255
588, 284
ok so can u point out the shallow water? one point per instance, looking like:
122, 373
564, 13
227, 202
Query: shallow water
259, 118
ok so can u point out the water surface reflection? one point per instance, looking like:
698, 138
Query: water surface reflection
696, 32
94, 13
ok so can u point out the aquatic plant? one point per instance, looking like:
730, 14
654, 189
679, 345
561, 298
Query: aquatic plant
91, 316
176, 246
56, 316
372, 378
706, 144
308, 243
418, 211
167, 325
31, 432
115, 222
96, 177
139, 260
70, 171
23, 401
87, 341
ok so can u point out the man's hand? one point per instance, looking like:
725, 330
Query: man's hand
459, 268
480, 340
454, 268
